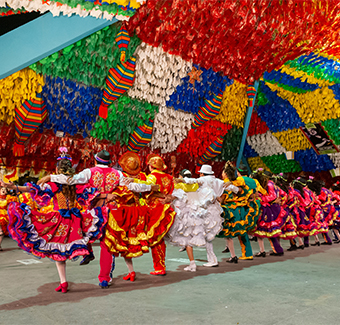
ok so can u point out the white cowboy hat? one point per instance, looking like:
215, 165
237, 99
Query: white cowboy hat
206, 169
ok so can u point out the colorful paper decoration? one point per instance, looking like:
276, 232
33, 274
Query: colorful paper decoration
141, 136
27, 119
251, 93
194, 75
120, 78
210, 109
212, 151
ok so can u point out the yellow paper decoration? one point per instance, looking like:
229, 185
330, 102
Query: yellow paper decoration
313, 106
303, 76
15, 89
234, 104
133, 3
257, 162
293, 140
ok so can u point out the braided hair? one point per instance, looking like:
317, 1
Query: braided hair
65, 167
230, 171
299, 184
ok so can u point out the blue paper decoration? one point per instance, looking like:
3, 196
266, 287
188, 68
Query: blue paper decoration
311, 162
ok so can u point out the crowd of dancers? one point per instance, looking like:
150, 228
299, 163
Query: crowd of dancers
131, 213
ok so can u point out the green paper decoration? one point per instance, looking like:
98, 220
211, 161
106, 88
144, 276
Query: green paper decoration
88, 60
279, 164
231, 144
333, 129
123, 116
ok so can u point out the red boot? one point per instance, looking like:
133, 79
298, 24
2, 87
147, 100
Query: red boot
62, 287
131, 276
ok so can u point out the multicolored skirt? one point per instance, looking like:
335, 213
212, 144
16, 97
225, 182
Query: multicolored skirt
58, 235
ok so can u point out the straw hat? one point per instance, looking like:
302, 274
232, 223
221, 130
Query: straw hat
155, 161
130, 162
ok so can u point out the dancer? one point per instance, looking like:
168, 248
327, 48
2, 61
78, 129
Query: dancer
126, 233
194, 225
272, 217
62, 232
162, 216
106, 179
213, 188
240, 212
5, 200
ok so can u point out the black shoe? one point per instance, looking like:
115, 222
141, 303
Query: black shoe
292, 248
87, 259
276, 254
326, 243
306, 245
233, 260
260, 254
253, 239
336, 242
301, 247
316, 244
226, 250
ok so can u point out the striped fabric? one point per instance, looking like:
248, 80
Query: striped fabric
119, 80
251, 92
141, 136
212, 151
123, 38
210, 109
27, 119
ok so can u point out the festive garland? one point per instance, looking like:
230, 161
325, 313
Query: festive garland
157, 74
310, 161
15, 89
88, 60
234, 104
231, 144
335, 157
170, 129
288, 82
248, 151
332, 128
265, 144
314, 106
193, 31
279, 164
124, 114
304, 77
256, 126
256, 163
83, 8
278, 113
293, 140
191, 93
9, 11
200, 138
72, 108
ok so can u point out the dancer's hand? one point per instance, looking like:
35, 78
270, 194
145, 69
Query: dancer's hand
225, 185
9, 185
128, 180
178, 180
111, 198
167, 199
44, 180
155, 188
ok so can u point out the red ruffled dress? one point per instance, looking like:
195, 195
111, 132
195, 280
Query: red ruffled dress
56, 230
4, 202
288, 202
329, 210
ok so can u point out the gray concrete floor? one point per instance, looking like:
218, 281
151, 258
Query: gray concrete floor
299, 288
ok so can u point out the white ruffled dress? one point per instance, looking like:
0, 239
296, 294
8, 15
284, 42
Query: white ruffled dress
198, 219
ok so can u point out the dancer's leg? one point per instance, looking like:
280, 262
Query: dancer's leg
261, 244
129, 264
192, 266
1, 237
158, 257
212, 258
277, 248
106, 260
230, 244
247, 252
61, 267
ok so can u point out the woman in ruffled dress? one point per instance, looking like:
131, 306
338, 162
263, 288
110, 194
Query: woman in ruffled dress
197, 219
288, 202
63, 226
272, 218
240, 211
336, 202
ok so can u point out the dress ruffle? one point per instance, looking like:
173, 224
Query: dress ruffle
198, 219
58, 234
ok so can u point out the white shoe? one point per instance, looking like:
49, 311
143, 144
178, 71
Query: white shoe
182, 249
210, 264
190, 268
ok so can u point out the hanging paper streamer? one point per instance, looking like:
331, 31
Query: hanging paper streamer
210, 109
120, 78
311, 162
280, 164
251, 93
212, 151
141, 136
27, 119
